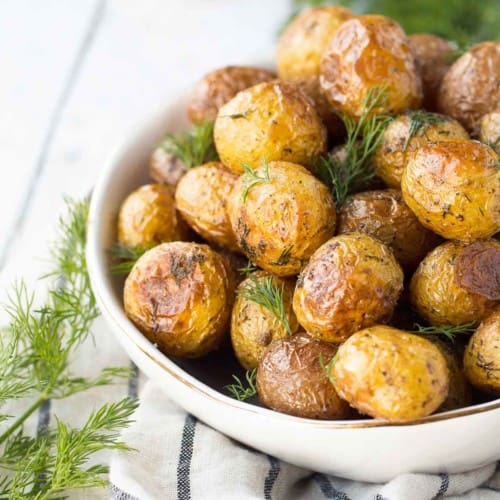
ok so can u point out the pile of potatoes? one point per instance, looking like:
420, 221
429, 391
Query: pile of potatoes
353, 276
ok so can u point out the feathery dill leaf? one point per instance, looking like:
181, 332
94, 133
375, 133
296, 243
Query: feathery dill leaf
239, 390
327, 368
248, 269
251, 178
449, 331
125, 257
420, 120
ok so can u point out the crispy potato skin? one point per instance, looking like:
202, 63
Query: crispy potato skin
365, 52
290, 379
489, 130
437, 296
482, 356
148, 217
253, 327
220, 86
180, 295
351, 282
431, 54
201, 198
395, 149
384, 215
272, 121
390, 374
453, 188
470, 88
282, 222
165, 168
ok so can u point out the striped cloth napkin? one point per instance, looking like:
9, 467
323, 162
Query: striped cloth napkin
178, 457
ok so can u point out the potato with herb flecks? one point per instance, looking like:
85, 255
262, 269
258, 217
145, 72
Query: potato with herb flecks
453, 188
165, 168
180, 295
489, 130
280, 214
351, 282
272, 121
391, 374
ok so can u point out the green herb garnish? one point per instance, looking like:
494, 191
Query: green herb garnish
241, 392
126, 257
327, 369
251, 179
449, 331
420, 120
248, 269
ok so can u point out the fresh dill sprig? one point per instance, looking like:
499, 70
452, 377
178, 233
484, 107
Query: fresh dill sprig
239, 390
265, 292
250, 178
126, 257
194, 147
420, 120
249, 269
327, 368
449, 331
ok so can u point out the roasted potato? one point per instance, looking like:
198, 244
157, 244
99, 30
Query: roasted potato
201, 198
220, 86
351, 282
290, 379
390, 374
405, 135
281, 219
482, 356
253, 326
453, 188
165, 168
148, 217
470, 88
366, 52
452, 284
489, 130
272, 121
180, 296
384, 215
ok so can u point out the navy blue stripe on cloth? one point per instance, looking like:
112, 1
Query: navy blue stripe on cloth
133, 381
185, 457
327, 488
443, 487
118, 494
271, 477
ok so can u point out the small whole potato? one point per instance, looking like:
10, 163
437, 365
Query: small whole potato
220, 86
180, 296
280, 220
384, 215
201, 198
470, 88
489, 130
148, 217
351, 282
453, 188
436, 292
400, 140
366, 52
253, 326
290, 379
390, 374
165, 168
272, 121
482, 356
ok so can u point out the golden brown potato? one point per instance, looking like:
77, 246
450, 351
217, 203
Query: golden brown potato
453, 188
148, 217
201, 198
290, 379
489, 130
351, 282
165, 168
366, 52
220, 86
180, 295
436, 292
281, 221
272, 121
470, 88
384, 215
254, 327
432, 54
405, 135
390, 374
482, 356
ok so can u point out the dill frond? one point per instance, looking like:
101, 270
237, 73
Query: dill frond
251, 178
125, 258
420, 120
239, 390
449, 331
327, 368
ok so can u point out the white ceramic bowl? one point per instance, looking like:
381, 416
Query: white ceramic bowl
367, 450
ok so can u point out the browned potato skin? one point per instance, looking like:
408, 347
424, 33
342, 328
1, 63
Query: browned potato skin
432, 55
365, 52
453, 188
351, 282
482, 356
489, 130
180, 295
253, 327
437, 296
384, 215
201, 198
470, 88
165, 168
220, 86
273, 121
395, 149
290, 379
390, 374
282, 222
148, 217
